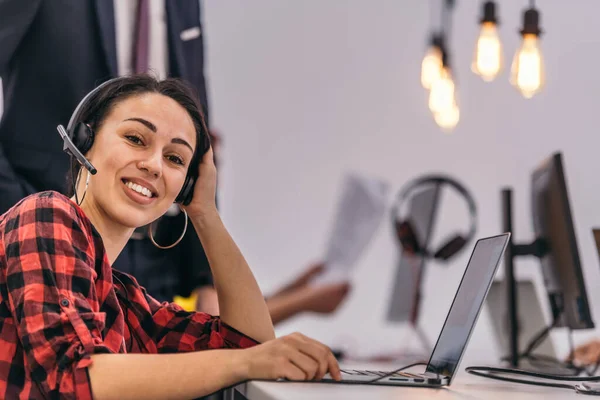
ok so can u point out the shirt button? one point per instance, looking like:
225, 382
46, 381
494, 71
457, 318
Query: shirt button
64, 303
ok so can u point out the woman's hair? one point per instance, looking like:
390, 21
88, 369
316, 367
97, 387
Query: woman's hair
99, 105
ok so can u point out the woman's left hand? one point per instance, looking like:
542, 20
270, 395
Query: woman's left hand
203, 201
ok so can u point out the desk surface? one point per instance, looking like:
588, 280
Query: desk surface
466, 389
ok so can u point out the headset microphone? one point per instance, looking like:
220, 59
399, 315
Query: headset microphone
70, 148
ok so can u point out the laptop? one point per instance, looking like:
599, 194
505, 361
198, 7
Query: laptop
457, 329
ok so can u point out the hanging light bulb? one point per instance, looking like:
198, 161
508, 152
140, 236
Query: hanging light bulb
527, 72
487, 61
448, 119
441, 96
431, 66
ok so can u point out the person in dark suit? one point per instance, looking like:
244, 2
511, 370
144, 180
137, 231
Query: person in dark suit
51, 54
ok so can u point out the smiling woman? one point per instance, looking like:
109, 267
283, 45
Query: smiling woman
70, 322
157, 128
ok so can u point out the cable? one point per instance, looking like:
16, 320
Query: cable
432, 11
535, 341
487, 372
531, 3
447, 18
73, 181
443, 14
398, 370
544, 362
571, 344
582, 388
538, 339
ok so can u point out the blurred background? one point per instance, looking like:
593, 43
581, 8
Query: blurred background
305, 91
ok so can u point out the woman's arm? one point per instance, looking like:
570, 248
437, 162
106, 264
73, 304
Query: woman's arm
191, 375
162, 376
241, 303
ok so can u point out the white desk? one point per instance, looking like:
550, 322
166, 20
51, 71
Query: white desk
465, 387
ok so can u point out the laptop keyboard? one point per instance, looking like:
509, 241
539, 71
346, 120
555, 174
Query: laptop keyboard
375, 374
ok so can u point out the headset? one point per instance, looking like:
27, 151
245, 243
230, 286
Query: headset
406, 234
78, 138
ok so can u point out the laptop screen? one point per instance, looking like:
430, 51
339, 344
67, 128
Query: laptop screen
467, 303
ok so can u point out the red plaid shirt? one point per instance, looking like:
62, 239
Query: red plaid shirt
59, 304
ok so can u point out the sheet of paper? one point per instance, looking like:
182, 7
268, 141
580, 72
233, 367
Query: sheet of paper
360, 209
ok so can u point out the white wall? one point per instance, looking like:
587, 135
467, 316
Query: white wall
304, 90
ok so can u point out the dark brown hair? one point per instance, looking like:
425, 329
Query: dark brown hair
98, 106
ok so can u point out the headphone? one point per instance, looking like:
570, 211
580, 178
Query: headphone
406, 233
78, 138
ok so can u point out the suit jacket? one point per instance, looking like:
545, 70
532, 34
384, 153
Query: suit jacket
51, 54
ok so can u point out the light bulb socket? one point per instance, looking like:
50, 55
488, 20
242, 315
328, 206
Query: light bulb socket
445, 58
436, 40
531, 22
489, 13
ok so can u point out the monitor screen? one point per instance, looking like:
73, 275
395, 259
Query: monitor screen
561, 265
467, 303
421, 214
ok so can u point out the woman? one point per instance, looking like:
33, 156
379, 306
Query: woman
70, 326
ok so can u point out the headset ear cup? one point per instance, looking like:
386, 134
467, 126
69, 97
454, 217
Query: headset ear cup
450, 248
82, 137
187, 191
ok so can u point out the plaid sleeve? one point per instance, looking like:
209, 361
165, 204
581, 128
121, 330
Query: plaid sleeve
50, 280
181, 331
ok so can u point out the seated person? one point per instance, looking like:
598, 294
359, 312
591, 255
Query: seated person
73, 326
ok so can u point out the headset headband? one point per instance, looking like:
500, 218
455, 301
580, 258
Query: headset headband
77, 111
439, 180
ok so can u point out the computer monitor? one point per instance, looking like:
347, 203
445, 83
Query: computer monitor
561, 265
404, 303
555, 245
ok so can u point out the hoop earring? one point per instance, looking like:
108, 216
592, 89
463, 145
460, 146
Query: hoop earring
174, 244
87, 183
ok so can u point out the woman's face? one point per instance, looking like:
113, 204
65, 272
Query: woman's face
142, 152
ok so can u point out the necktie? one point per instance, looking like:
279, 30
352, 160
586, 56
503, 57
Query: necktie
142, 38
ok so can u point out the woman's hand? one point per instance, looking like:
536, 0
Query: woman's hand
293, 357
203, 201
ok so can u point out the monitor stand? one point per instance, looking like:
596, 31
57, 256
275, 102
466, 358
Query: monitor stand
538, 248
